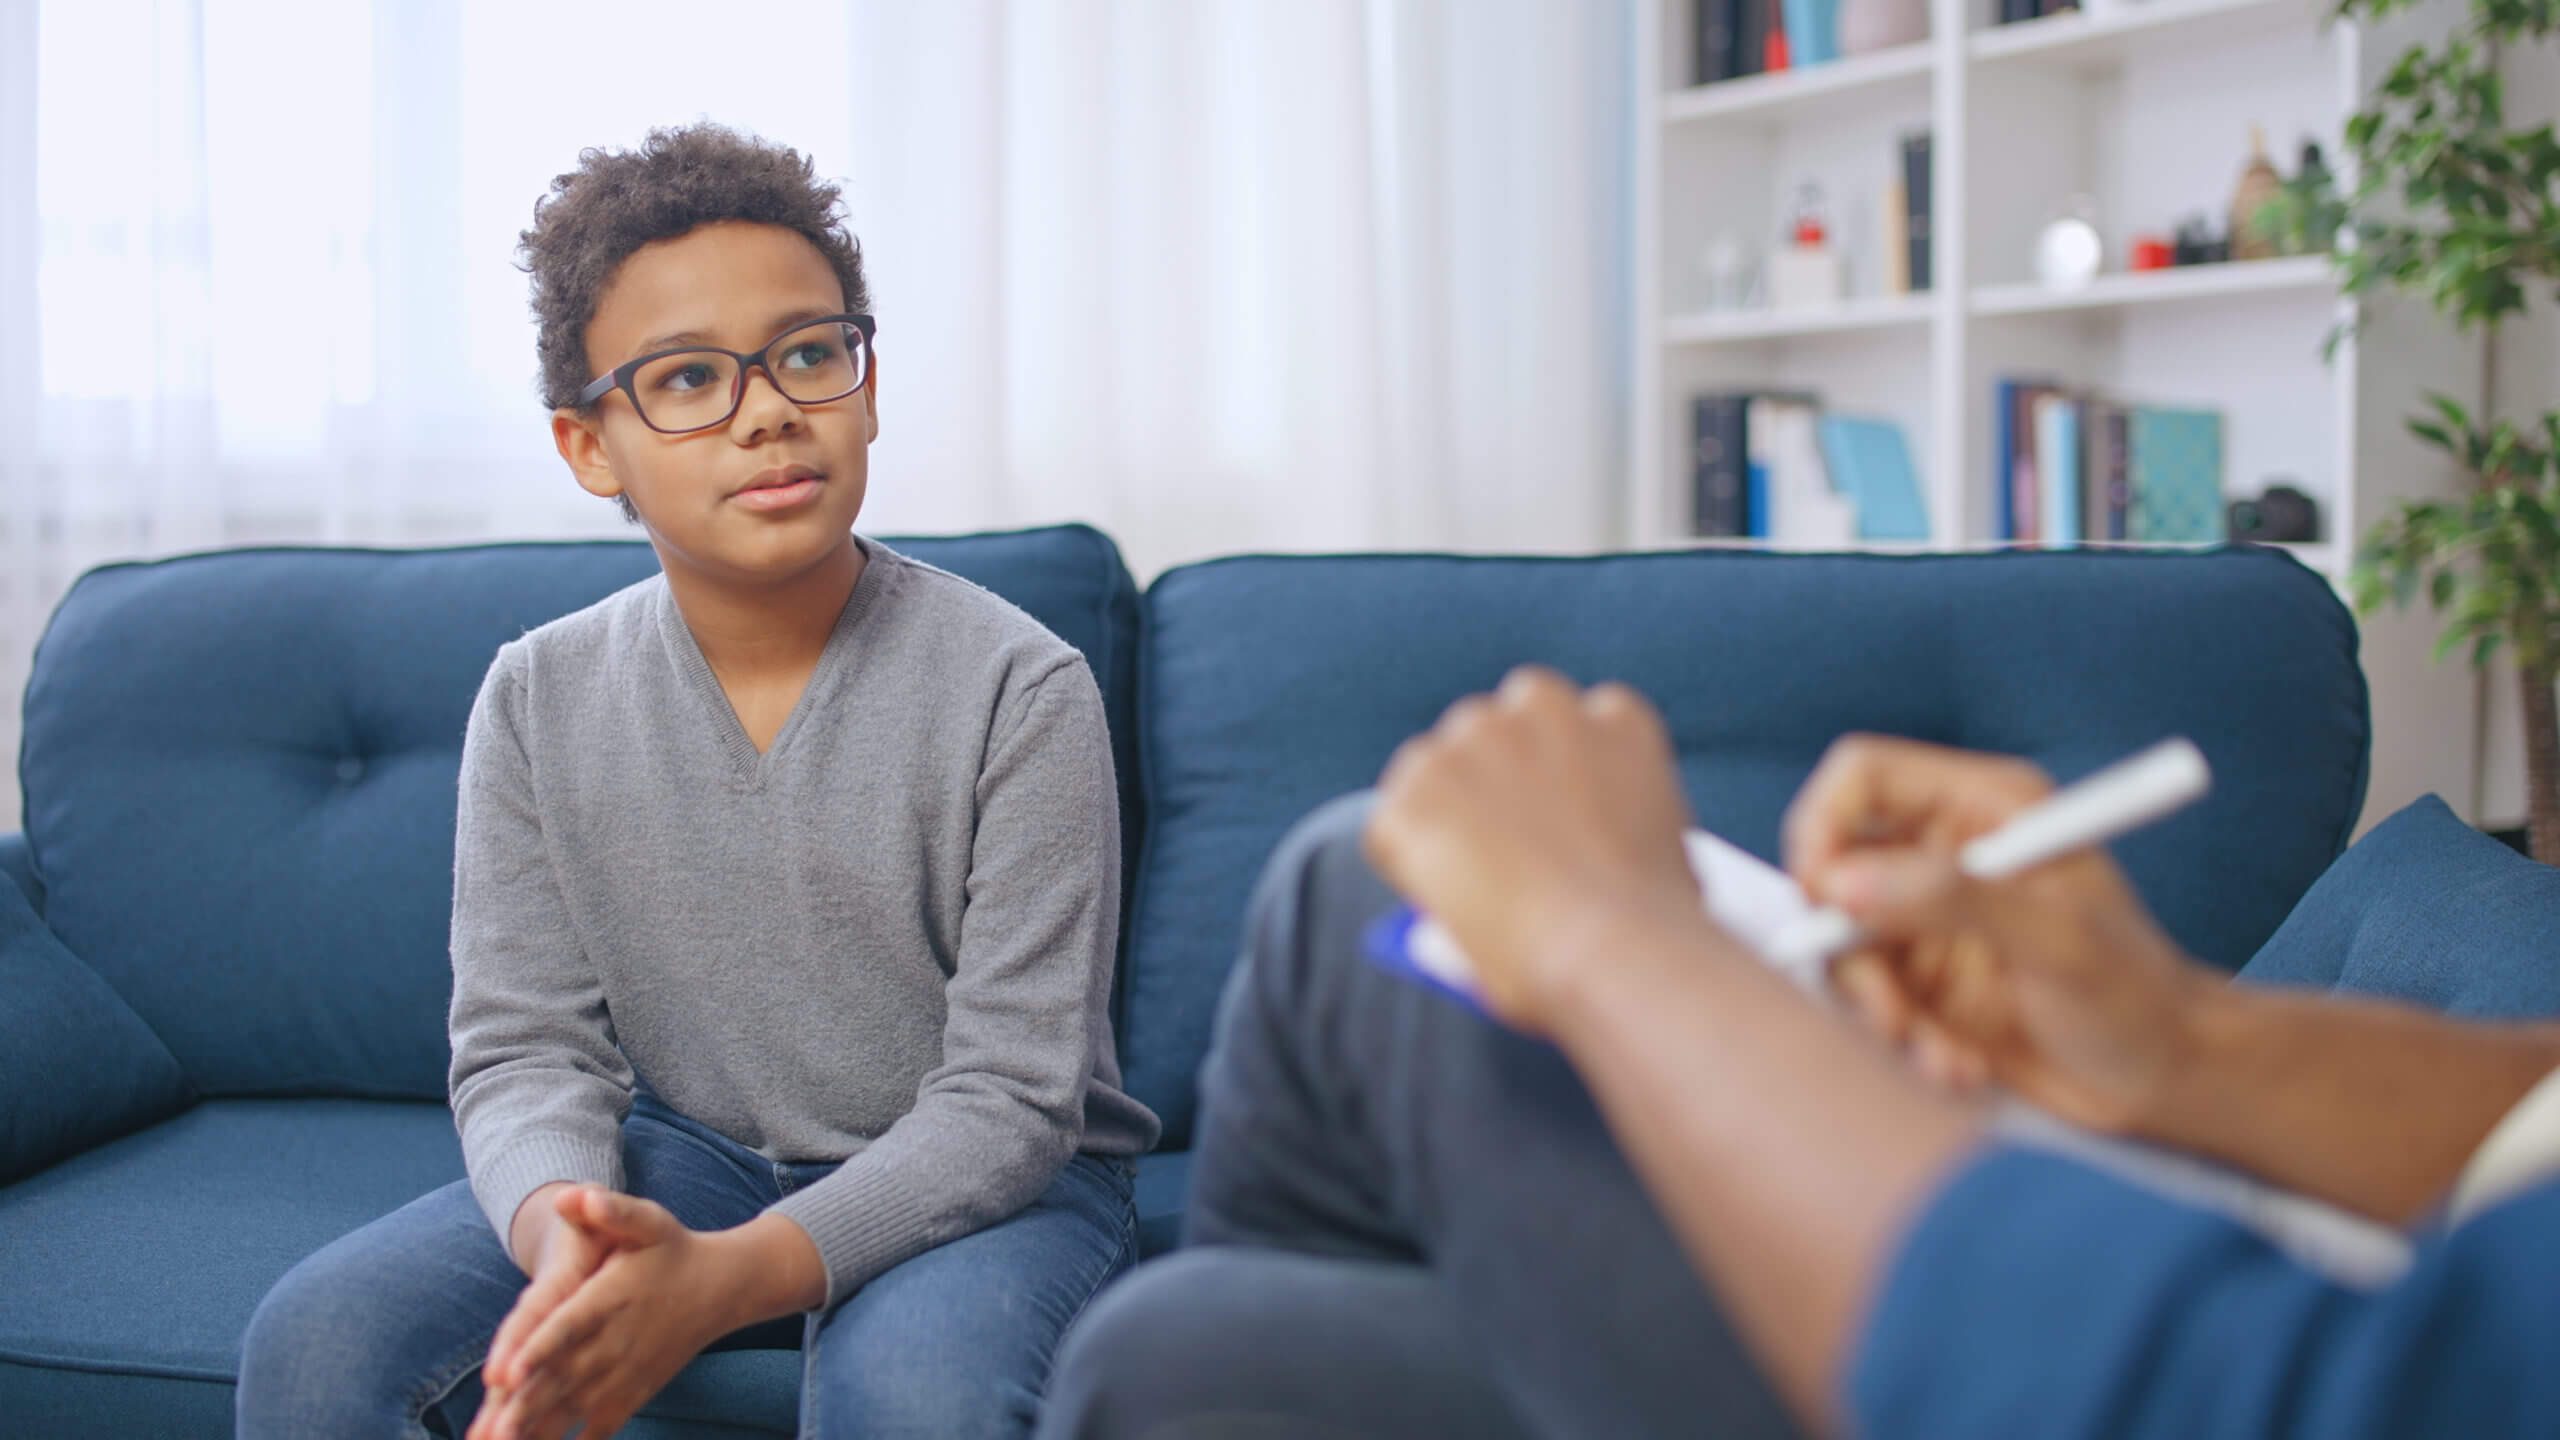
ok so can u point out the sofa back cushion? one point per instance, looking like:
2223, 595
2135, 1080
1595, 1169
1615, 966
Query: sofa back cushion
1269, 684
239, 772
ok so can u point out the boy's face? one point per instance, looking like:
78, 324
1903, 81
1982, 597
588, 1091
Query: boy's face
776, 489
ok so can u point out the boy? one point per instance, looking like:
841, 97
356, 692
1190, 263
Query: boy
785, 895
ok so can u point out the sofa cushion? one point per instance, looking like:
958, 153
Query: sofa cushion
2428, 910
239, 772
1270, 684
1164, 1181
77, 1066
132, 1269
18, 867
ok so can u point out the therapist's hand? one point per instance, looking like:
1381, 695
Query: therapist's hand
1541, 826
2054, 983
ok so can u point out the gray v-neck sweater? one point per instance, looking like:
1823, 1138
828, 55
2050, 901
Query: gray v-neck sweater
885, 941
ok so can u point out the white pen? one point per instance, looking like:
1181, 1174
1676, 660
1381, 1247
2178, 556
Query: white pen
2122, 797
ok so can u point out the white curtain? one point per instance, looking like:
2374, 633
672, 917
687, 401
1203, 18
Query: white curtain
1214, 275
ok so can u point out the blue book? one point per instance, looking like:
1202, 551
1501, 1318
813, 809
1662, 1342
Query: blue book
1813, 31
2057, 431
1755, 503
2176, 463
1871, 467
2004, 461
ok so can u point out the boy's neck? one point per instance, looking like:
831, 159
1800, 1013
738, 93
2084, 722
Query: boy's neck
759, 629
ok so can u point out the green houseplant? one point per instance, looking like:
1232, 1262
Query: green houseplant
2455, 205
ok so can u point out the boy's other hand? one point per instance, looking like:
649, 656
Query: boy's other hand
557, 1254
563, 1239
2054, 983
1531, 824
662, 1294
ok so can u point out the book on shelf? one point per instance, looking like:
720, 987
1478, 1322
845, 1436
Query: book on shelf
2056, 423
1812, 30
1718, 27
2016, 492
1895, 251
1870, 467
1915, 209
1719, 466
1771, 465
1751, 36
2071, 466
2176, 467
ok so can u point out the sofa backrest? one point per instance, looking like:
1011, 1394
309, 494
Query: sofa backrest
1268, 685
239, 772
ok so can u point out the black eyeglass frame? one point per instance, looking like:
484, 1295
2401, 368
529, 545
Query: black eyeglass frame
620, 376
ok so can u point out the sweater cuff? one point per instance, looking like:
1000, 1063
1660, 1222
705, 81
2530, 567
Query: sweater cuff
863, 1221
503, 1181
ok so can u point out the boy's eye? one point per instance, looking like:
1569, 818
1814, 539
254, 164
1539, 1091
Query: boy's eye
686, 377
809, 355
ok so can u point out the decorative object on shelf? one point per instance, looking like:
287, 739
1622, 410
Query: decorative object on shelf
1731, 275
2254, 234
1867, 25
2196, 244
2150, 252
2311, 174
1806, 270
2281, 513
2068, 251
2451, 205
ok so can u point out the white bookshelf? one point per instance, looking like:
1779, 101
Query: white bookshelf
2143, 106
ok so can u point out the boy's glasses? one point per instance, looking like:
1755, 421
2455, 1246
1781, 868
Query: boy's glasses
700, 386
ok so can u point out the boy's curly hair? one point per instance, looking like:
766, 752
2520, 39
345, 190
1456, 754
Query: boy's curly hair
678, 179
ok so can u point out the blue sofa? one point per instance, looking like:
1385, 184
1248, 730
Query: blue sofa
222, 935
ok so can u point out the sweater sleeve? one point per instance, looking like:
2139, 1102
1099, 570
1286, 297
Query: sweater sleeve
1026, 1014
539, 1088
2037, 1296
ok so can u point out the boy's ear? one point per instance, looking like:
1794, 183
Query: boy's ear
581, 442
871, 397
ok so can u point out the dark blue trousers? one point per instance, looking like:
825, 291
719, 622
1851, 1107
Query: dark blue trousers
1404, 1220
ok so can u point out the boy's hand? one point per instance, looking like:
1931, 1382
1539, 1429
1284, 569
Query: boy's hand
1531, 823
592, 1359
558, 1255
2055, 983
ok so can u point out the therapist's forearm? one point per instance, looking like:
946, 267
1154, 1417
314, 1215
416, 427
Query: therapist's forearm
1785, 1149
2370, 1105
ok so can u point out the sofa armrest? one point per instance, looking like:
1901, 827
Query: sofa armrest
19, 864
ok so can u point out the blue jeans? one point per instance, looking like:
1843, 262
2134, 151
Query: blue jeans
382, 1332
1403, 1220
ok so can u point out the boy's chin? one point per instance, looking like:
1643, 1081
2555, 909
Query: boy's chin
763, 550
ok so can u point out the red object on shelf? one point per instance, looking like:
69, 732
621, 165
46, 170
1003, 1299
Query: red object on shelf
2150, 252
1808, 230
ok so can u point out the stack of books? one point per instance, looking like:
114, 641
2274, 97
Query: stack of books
1774, 465
1752, 37
2071, 466
2010, 12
